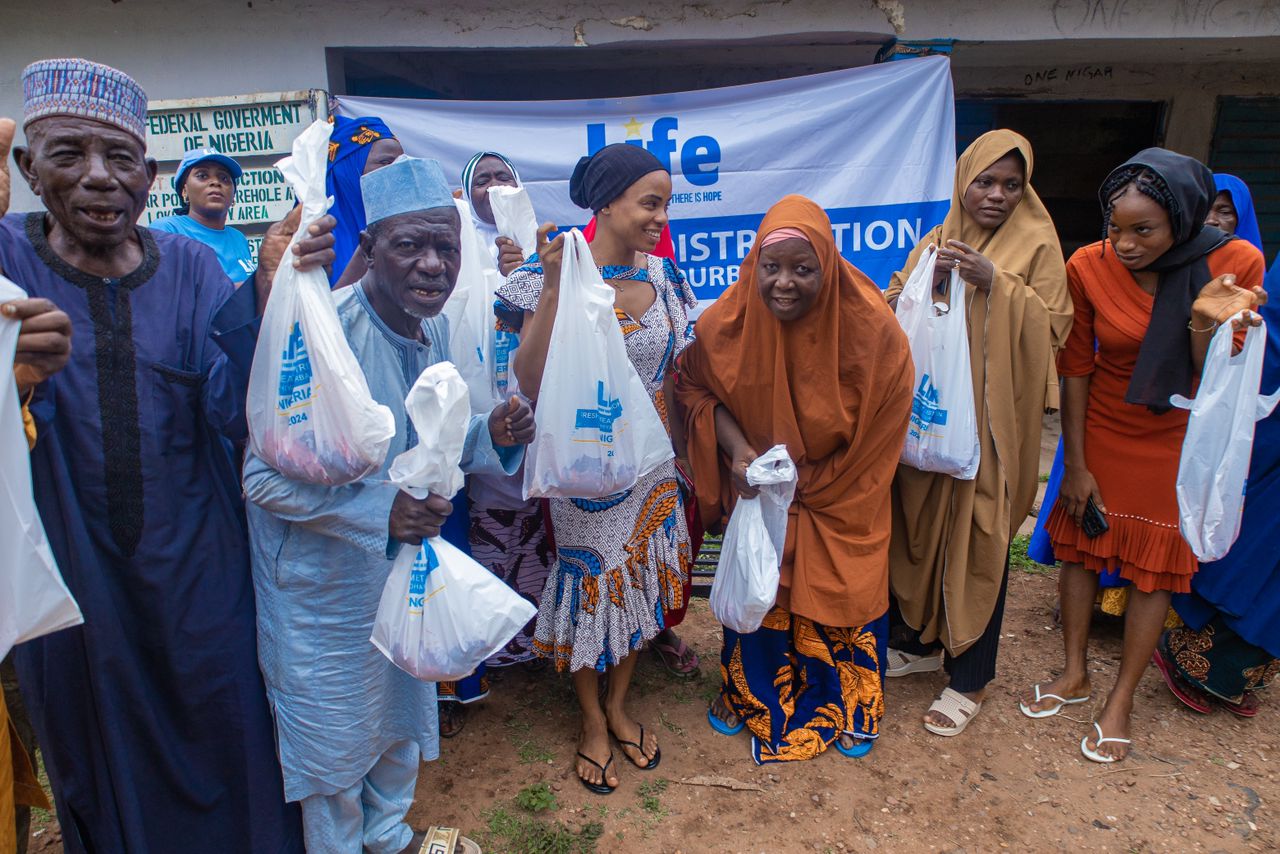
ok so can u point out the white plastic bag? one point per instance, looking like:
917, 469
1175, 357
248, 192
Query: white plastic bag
33, 599
441, 613
943, 433
471, 319
597, 429
311, 416
746, 581
514, 217
1219, 442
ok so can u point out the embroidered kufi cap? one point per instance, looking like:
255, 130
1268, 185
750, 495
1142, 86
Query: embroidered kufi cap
91, 90
407, 185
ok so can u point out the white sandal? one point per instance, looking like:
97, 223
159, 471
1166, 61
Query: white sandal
955, 706
904, 663
1102, 739
1048, 713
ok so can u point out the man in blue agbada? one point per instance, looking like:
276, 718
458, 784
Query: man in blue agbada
351, 726
151, 717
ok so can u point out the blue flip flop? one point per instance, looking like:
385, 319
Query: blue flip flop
861, 747
722, 727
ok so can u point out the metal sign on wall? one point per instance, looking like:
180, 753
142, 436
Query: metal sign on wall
257, 130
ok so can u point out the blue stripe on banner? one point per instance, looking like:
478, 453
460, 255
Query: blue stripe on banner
876, 239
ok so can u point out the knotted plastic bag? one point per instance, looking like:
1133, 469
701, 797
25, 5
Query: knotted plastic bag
1216, 451
514, 217
441, 613
311, 416
471, 319
942, 435
746, 582
597, 429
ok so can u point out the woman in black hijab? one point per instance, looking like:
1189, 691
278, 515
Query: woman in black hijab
1151, 294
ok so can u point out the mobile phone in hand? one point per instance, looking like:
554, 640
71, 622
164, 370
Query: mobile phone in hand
1094, 522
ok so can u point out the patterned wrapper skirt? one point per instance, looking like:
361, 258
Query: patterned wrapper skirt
621, 565
798, 685
1219, 661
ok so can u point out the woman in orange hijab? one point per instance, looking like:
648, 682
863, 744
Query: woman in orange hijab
950, 551
803, 351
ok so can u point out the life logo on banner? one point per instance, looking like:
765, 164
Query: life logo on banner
874, 146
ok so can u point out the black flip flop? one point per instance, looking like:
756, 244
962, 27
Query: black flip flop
657, 754
601, 788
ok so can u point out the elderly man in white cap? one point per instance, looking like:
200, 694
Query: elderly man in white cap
151, 717
351, 726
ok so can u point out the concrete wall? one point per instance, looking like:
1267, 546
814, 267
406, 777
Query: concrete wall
206, 48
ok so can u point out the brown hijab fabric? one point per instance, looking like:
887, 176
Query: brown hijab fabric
951, 537
834, 386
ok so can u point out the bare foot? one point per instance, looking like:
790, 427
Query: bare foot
1064, 686
938, 719
593, 742
625, 729
721, 709
1114, 721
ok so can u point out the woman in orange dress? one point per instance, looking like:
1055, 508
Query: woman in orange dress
1152, 294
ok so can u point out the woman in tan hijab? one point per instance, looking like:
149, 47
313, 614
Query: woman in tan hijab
802, 351
948, 559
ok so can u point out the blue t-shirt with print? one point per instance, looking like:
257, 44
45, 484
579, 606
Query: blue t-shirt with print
230, 245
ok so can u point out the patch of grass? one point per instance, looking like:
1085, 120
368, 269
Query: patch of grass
533, 753
671, 725
1019, 559
513, 833
537, 798
1044, 477
651, 796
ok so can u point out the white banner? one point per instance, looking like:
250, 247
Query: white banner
875, 146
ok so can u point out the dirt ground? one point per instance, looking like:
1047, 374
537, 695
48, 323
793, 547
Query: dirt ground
1191, 783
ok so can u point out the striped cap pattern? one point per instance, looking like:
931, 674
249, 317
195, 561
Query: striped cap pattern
78, 87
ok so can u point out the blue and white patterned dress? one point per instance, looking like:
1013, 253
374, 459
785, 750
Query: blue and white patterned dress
621, 561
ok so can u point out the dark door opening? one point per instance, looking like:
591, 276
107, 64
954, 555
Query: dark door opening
1076, 143
1245, 143
604, 71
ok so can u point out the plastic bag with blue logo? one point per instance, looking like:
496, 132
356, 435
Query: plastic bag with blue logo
311, 416
597, 428
746, 581
441, 613
943, 433
1219, 442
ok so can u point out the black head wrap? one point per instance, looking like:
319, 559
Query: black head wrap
602, 177
1164, 365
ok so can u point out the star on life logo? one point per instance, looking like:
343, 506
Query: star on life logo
295, 377
925, 409
698, 156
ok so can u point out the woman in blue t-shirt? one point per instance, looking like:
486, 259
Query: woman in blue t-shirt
206, 182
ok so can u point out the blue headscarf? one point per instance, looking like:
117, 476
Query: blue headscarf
1242, 199
349, 145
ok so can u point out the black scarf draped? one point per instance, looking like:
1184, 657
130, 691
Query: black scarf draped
1164, 365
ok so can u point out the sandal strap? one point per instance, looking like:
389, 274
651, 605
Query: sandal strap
440, 840
1103, 739
953, 704
604, 769
1044, 696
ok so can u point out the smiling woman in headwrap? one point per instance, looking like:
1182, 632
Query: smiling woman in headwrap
949, 556
803, 351
356, 146
622, 562
1150, 295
